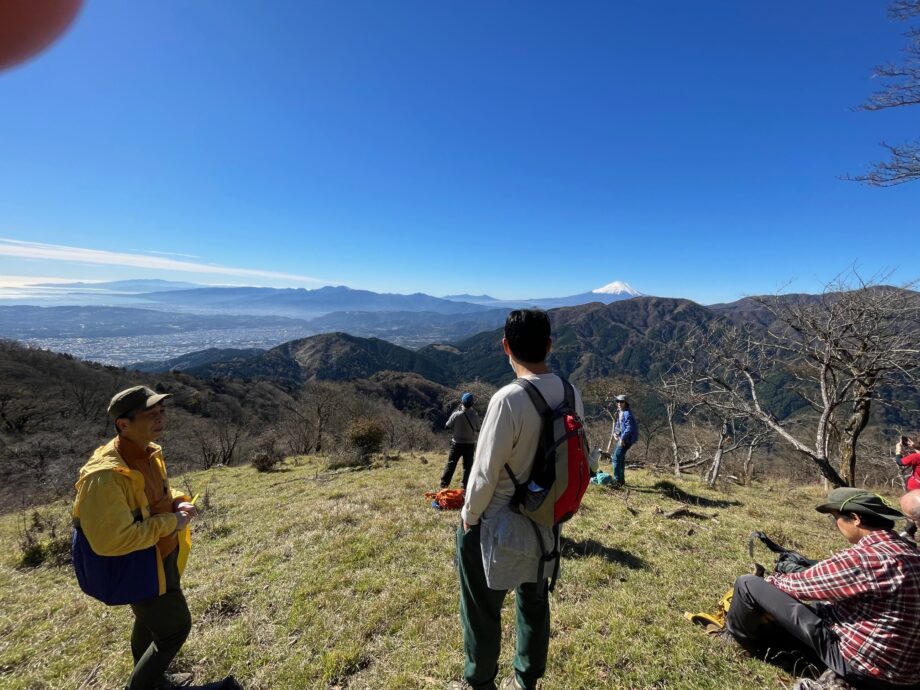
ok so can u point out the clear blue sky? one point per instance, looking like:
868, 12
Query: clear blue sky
514, 148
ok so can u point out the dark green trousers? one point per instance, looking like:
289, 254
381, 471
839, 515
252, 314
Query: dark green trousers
480, 615
161, 626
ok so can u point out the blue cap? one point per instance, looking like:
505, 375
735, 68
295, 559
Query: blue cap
467, 399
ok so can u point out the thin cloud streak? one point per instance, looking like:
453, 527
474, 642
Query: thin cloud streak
56, 252
185, 256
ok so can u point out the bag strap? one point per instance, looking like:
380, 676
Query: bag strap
536, 397
557, 554
569, 392
546, 556
766, 541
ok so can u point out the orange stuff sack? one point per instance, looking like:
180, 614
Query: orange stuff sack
446, 499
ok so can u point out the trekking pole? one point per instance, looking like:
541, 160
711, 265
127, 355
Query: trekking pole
613, 428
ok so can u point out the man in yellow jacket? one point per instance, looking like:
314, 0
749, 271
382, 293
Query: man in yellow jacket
131, 537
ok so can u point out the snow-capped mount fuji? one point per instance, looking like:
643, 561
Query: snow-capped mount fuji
612, 292
617, 287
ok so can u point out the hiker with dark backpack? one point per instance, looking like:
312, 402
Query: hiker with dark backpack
464, 423
529, 474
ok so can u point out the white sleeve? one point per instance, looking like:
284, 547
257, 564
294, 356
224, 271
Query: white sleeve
496, 438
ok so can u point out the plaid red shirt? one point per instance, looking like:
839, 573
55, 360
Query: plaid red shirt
869, 595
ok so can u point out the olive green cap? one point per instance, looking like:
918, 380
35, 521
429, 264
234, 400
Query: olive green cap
849, 500
134, 399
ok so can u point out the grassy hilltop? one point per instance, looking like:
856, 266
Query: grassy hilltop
305, 579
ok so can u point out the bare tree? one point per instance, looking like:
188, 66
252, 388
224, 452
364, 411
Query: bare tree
669, 391
732, 436
297, 431
21, 414
218, 442
902, 88
754, 441
838, 349
318, 405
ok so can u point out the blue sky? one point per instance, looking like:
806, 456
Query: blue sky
514, 148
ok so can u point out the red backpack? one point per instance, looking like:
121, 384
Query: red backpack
560, 473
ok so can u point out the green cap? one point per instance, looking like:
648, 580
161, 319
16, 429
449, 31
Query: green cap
134, 399
849, 500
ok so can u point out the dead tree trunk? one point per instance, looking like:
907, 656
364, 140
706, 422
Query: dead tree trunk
712, 474
854, 426
671, 408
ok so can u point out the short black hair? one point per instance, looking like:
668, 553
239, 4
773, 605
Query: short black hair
870, 521
128, 415
528, 334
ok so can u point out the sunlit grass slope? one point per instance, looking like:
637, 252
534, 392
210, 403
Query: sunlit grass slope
307, 579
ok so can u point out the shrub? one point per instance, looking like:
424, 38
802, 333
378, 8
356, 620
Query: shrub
43, 539
265, 461
366, 436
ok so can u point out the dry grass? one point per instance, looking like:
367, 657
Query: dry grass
306, 579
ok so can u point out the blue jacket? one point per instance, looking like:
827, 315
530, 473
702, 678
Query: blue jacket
626, 428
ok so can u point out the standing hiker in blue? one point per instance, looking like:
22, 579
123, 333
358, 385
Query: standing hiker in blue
625, 433
464, 423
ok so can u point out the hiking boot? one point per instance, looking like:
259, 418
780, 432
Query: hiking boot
463, 685
725, 638
175, 680
511, 683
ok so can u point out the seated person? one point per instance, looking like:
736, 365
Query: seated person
861, 620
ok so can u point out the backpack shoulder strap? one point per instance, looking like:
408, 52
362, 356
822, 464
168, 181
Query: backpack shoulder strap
536, 397
569, 392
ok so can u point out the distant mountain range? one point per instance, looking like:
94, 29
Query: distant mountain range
612, 292
589, 341
304, 303
247, 317
309, 304
299, 302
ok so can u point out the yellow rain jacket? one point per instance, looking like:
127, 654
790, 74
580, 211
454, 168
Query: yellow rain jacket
113, 513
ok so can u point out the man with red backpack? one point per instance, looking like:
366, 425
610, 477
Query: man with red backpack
498, 546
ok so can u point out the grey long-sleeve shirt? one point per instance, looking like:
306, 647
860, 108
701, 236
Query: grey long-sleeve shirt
464, 422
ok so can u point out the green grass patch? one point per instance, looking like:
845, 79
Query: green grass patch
314, 579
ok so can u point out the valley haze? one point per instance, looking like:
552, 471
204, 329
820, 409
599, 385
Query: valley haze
154, 321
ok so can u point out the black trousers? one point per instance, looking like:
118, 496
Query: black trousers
795, 626
458, 450
161, 626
